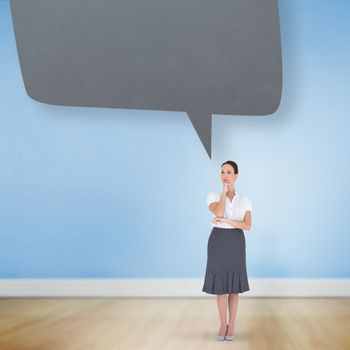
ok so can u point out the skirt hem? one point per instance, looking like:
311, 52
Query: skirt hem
228, 292
225, 282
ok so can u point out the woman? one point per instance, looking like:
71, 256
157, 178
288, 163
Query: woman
226, 271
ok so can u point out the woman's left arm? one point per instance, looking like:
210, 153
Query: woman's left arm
244, 225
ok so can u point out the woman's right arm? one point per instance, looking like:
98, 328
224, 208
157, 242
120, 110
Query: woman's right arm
218, 208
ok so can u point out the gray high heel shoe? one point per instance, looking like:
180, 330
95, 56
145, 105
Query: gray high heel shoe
221, 337
229, 337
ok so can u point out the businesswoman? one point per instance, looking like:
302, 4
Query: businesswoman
226, 273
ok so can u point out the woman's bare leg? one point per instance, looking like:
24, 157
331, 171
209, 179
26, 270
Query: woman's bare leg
222, 305
232, 308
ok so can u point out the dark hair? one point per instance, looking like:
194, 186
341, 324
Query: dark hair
233, 164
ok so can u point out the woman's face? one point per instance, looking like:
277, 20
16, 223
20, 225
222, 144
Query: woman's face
228, 174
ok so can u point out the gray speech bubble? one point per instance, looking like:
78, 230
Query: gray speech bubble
202, 57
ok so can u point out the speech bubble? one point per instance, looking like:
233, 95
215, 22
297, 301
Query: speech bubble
202, 57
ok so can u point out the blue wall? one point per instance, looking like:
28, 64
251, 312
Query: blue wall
86, 192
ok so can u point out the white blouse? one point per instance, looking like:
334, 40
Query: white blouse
234, 210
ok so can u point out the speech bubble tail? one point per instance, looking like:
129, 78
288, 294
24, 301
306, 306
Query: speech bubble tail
202, 124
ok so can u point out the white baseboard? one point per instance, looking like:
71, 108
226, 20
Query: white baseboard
168, 287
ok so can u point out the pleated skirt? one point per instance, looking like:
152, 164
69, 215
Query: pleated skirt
226, 270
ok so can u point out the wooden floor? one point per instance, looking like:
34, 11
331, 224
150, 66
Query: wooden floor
172, 323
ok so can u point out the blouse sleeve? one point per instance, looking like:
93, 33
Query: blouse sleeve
212, 197
247, 203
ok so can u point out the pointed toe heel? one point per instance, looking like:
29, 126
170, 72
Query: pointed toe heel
220, 337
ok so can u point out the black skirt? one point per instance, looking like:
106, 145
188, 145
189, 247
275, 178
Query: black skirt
226, 270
